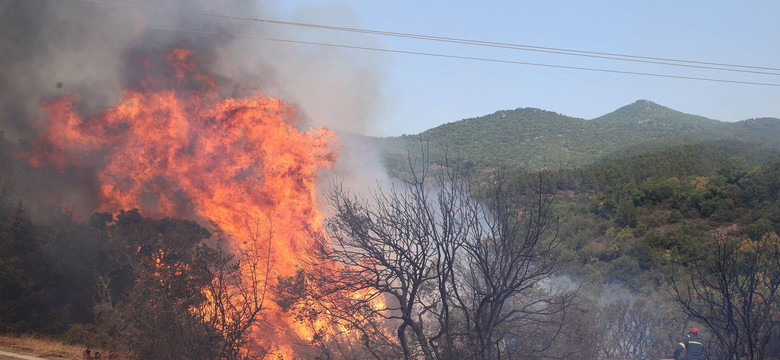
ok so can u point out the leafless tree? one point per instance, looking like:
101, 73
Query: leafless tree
567, 335
509, 252
387, 246
187, 301
354, 327
457, 273
637, 328
734, 291
236, 292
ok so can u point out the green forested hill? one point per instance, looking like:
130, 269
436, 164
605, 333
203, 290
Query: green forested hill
534, 139
500, 137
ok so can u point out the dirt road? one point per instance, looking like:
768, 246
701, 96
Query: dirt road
11, 354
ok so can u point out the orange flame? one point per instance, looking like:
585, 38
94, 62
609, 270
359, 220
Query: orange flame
173, 147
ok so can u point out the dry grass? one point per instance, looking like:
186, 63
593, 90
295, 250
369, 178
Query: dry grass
42, 347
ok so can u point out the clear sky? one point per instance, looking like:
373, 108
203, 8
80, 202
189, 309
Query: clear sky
420, 92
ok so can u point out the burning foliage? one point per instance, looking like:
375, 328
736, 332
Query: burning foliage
174, 147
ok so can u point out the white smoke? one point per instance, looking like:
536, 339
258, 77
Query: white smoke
62, 47
53, 48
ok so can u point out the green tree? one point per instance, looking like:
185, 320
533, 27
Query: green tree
21, 275
182, 299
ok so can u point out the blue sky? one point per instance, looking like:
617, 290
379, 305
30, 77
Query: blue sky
420, 92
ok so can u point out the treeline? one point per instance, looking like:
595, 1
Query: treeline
660, 161
141, 287
146, 288
631, 219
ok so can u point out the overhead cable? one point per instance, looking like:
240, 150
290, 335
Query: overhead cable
570, 52
344, 46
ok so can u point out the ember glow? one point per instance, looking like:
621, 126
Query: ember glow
173, 146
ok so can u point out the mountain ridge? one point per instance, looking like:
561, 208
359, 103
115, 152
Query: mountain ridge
532, 138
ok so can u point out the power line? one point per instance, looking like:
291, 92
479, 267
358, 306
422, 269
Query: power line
343, 46
552, 50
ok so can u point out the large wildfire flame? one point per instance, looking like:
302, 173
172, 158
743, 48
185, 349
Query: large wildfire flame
172, 146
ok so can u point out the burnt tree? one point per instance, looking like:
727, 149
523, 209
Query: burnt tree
734, 291
461, 274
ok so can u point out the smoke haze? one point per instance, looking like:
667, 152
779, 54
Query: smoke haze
53, 48
92, 49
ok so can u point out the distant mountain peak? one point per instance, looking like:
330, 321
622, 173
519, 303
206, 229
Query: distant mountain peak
647, 106
644, 102
643, 113
644, 107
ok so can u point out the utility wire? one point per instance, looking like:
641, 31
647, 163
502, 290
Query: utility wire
343, 46
560, 51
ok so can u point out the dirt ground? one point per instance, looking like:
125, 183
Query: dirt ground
14, 354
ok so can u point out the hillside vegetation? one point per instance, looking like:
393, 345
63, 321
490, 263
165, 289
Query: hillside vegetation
634, 217
534, 139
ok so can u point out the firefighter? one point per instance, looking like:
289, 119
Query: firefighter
692, 346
